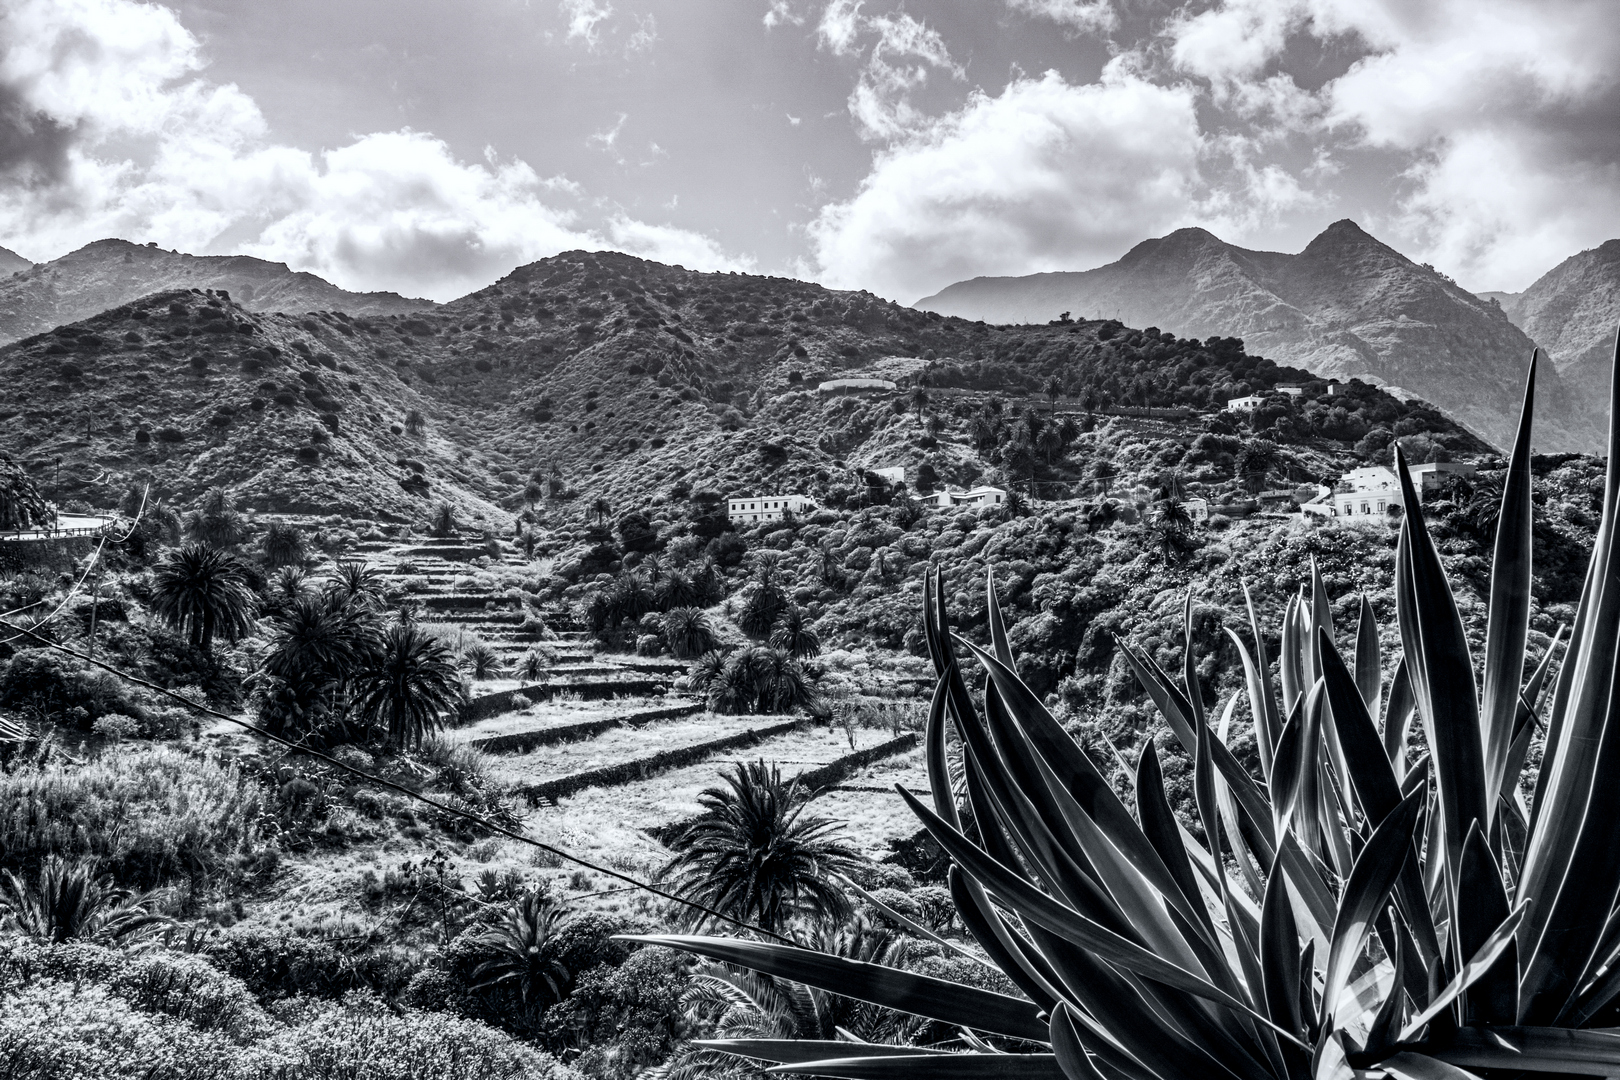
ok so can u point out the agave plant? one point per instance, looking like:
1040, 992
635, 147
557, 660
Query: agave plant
1350, 913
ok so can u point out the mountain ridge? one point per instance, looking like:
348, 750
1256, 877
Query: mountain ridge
1572, 311
107, 273
1347, 306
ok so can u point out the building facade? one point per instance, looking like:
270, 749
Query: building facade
1373, 489
749, 511
984, 495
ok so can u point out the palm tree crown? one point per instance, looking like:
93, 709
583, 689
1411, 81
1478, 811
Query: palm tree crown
407, 684
203, 592
756, 856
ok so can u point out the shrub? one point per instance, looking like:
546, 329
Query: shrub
147, 814
276, 964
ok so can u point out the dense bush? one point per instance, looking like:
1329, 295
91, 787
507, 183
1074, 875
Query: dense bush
149, 815
79, 1011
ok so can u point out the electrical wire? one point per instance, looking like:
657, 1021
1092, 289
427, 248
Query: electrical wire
402, 790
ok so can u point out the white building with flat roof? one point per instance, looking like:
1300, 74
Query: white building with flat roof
1244, 404
854, 386
984, 495
751, 510
1371, 490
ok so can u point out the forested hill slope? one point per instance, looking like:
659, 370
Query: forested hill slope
599, 375
108, 273
1346, 306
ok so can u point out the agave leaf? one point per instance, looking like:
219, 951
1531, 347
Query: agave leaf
1241, 852
1038, 908
1287, 769
1386, 1023
791, 1051
1321, 611
1189, 663
1262, 666
1118, 1058
1024, 966
1279, 954
1566, 945
1176, 713
998, 629
1291, 670
1581, 698
1073, 778
1160, 827
1408, 1065
905, 991
928, 1066
1442, 672
1367, 764
1508, 620
1263, 735
910, 924
1369, 659
1495, 998
1525, 724
1474, 970
1365, 893
1069, 1050
1534, 1049
1398, 713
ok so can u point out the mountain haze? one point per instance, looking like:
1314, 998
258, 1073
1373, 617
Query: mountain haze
1346, 307
108, 273
1572, 312
11, 262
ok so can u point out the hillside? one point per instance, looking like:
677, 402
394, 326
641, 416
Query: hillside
605, 376
11, 262
108, 273
1572, 311
1347, 306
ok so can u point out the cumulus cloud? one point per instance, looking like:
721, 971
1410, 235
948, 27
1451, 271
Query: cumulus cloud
1089, 16
899, 51
1046, 175
1499, 114
108, 129
782, 13
584, 17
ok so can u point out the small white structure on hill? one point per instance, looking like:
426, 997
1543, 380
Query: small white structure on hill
1372, 490
748, 511
1197, 508
1291, 389
983, 495
1244, 404
893, 474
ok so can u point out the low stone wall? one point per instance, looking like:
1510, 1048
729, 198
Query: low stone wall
482, 708
823, 776
586, 729
641, 768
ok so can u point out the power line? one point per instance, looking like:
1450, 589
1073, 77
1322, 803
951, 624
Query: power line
401, 789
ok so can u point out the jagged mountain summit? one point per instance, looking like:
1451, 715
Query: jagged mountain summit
12, 263
108, 273
600, 375
1572, 311
1348, 306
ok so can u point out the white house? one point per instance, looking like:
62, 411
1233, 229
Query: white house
1197, 508
1371, 490
766, 508
1244, 404
984, 495
892, 474
1291, 389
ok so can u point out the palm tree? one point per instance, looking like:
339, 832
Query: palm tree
444, 520
1054, 390
533, 667
313, 639
521, 943
483, 661
533, 492
288, 587
687, 632
21, 504
1050, 443
415, 423
919, 400
356, 585
1256, 459
407, 684
676, 589
755, 855
793, 634
601, 508
216, 522
707, 670
283, 545
68, 902
1103, 473
203, 592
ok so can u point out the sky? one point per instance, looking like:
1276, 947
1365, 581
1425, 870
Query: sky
431, 146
